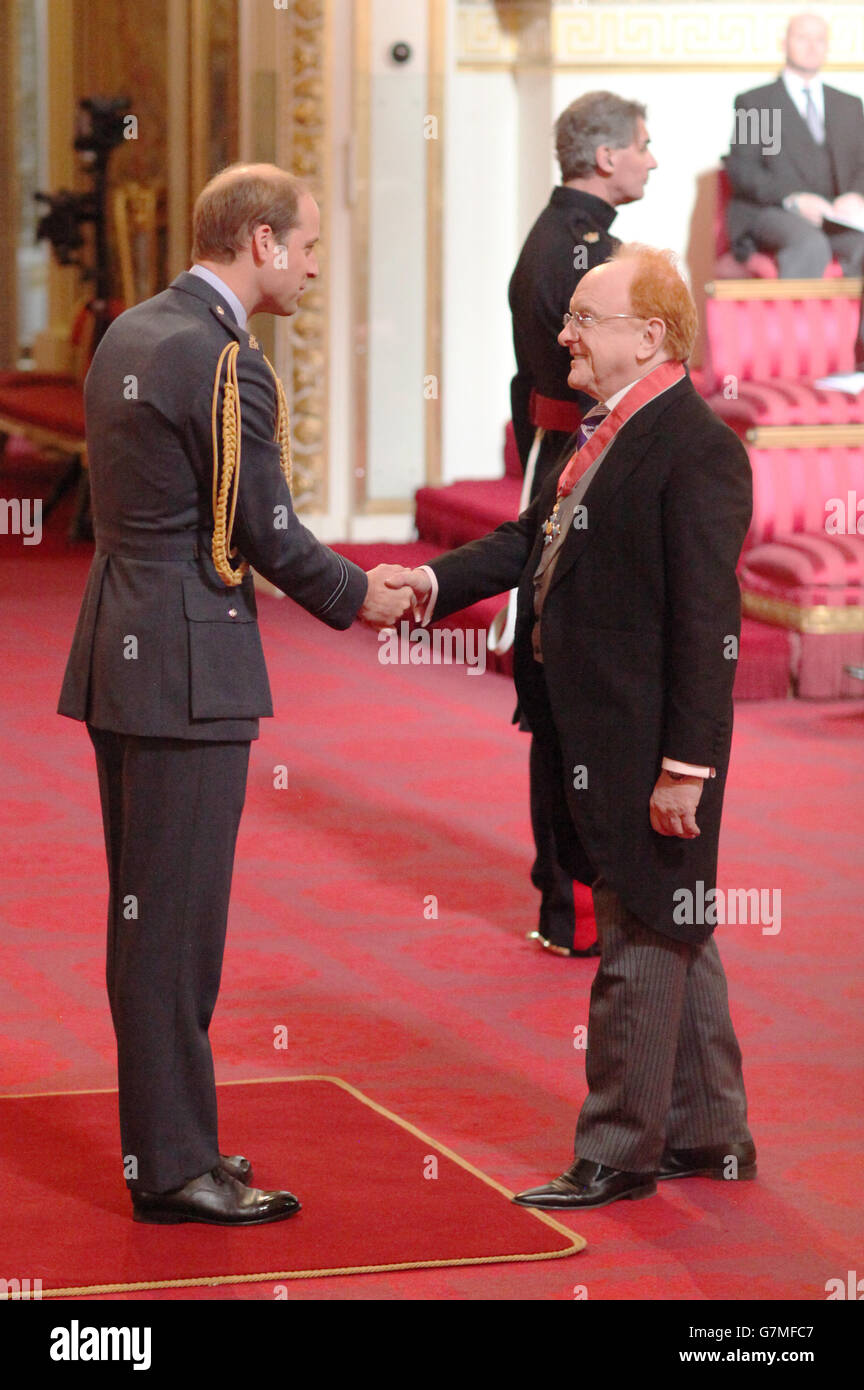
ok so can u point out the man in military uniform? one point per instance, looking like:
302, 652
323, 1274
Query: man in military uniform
189, 457
602, 146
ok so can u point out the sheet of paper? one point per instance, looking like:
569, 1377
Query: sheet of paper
850, 382
856, 222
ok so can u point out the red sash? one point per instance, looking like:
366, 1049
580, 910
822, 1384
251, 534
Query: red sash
654, 383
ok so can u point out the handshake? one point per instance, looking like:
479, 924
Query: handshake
392, 590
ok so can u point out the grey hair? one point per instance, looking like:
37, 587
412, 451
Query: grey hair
597, 118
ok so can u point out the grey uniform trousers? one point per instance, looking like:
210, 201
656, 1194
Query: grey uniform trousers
170, 811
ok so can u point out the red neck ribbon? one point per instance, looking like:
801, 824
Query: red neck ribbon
654, 383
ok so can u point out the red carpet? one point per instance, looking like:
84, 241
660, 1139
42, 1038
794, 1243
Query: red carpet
380, 908
358, 1170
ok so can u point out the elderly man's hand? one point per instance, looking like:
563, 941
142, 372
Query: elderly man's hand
418, 580
673, 806
384, 605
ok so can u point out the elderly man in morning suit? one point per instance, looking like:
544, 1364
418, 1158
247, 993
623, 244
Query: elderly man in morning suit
189, 457
603, 148
629, 612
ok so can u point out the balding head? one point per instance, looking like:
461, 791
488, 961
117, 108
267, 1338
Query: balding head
236, 201
806, 44
635, 312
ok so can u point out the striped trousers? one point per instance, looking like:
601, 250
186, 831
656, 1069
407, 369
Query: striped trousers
663, 1064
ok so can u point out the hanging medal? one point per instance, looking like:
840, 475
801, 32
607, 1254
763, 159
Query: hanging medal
552, 524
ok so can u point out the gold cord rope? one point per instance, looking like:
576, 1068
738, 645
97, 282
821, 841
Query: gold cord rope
226, 472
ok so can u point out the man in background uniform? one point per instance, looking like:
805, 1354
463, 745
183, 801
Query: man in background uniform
602, 146
189, 456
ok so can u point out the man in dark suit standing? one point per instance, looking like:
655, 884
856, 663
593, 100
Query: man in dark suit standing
624, 659
796, 164
189, 456
602, 145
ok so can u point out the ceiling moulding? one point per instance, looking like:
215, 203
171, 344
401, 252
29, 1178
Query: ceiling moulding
713, 36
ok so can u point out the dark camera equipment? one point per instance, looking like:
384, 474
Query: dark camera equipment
62, 224
100, 128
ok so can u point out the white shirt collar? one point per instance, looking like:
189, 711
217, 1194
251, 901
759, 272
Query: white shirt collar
796, 85
225, 290
619, 395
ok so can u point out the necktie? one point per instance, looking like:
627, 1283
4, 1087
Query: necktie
815, 124
596, 415
589, 423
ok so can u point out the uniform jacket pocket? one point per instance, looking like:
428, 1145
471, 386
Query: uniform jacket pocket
227, 672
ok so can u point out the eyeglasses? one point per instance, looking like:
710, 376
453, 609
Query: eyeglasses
589, 320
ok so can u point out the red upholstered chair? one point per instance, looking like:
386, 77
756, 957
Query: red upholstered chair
759, 265
803, 563
767, 341
47, 408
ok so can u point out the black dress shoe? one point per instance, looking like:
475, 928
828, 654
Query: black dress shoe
214, 1198
237, 1167
556, 950
587, 1184
710, 1162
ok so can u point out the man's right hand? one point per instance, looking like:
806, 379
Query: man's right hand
673, 805
386, 601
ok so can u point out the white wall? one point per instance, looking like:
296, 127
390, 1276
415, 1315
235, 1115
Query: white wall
397, 252
480, 245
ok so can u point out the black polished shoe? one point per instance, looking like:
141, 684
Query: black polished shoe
556, 950
710, 1162
237, 1167
216, 1199
587, 1184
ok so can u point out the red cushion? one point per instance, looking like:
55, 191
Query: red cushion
792, 487
756, 267
787, 339
786, 403
807, 570
50, 399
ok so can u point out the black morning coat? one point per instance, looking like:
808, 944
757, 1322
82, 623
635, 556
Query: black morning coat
639, 637
761, 179
163, 647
